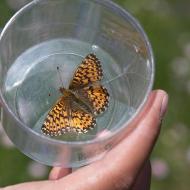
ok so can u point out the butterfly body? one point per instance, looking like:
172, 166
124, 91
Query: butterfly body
85, 98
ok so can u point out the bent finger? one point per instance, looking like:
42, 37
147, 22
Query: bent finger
58, 172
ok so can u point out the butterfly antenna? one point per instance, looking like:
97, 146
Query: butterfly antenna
58, 70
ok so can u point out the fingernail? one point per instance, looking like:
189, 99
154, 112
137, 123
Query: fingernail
164, 106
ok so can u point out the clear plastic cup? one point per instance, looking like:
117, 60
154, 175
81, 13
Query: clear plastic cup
47, 34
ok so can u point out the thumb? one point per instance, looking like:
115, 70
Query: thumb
131, 154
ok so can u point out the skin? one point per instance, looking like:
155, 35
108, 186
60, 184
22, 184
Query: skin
130, 169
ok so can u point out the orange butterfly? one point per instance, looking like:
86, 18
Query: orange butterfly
85, 98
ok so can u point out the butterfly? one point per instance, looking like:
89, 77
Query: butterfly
77, 108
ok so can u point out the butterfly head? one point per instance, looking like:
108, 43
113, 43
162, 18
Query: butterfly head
62, 90
65, 92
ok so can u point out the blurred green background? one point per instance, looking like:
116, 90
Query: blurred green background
167, 24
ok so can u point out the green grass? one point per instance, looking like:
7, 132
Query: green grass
5, 13
167, 27
13, 166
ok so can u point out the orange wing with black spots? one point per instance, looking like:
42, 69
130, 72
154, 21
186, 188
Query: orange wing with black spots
57, 120
89, 71
81, 121
67, 116
99, 98
96, 96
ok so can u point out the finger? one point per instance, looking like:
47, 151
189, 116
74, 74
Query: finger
58, 172
143, 180
135, 149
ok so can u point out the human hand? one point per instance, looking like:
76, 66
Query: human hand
124, 167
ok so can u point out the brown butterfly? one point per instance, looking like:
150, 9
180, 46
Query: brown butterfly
85, 98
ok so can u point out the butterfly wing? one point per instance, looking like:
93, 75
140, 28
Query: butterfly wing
57, 120
86, 99
96, 96
81, 120
89, 71
68, 116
